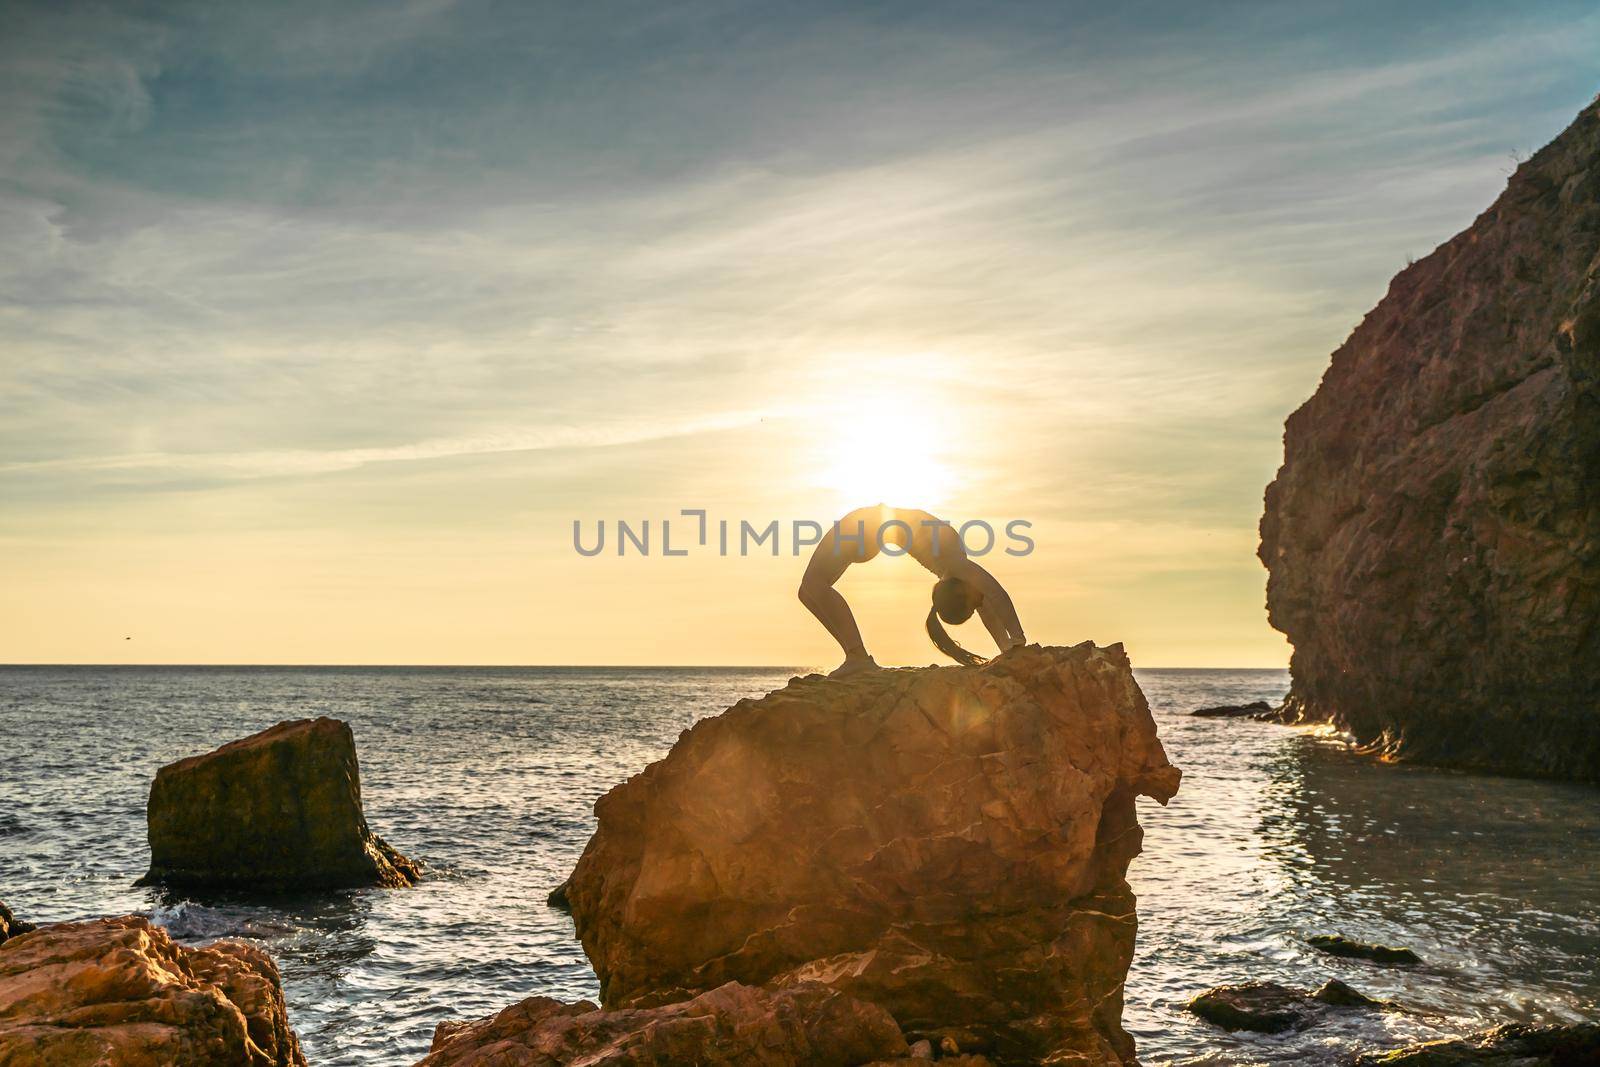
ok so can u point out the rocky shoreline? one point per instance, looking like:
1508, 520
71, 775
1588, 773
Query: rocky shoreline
876, 870
903, 865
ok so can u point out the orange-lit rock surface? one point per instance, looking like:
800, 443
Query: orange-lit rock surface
121, 992
949, 843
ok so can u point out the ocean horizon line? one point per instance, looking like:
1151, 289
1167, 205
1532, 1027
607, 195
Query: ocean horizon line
528, 666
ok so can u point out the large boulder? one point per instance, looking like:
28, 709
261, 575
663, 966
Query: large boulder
1433, 537
735, 1025
120, 991
279, 810
949, 843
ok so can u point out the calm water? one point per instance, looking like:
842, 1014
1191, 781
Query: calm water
487, 775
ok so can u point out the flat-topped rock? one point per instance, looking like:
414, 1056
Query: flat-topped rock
279, 810
120, 993
1339, 945
949, 843
1234, 711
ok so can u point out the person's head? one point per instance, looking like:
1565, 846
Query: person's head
954, 601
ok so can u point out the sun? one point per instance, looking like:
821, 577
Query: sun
886, 449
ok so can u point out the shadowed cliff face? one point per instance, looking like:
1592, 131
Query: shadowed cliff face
947, 843
1433, 537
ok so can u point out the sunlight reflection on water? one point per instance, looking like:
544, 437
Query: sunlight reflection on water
1279, 834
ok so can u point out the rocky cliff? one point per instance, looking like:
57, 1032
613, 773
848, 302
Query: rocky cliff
120, 991
279, 810
947, 843
1433, 537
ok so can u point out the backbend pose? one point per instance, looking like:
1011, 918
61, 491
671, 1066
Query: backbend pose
963, 586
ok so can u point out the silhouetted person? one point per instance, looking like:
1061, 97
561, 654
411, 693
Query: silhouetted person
963, 586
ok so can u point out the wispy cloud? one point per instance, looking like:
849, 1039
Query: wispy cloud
288, 462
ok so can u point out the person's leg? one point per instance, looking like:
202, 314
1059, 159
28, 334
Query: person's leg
819, 596
831, 609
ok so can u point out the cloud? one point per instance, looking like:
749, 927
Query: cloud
289, 462
361, 236
374, 298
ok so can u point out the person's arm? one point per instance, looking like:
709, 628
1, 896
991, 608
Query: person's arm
999, 615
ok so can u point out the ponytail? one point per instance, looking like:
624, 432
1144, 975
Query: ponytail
947, 644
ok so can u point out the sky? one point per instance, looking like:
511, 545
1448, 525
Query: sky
321, 325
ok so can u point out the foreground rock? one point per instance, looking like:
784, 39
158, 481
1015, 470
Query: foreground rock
733, 1024
121, 992
1339, 945
10, 925
948, 843
1270, 1008
1510, 1045
279, 810
1433, 537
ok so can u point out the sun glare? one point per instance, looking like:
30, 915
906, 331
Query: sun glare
885, 449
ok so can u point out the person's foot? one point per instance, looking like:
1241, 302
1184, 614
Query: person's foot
854, 664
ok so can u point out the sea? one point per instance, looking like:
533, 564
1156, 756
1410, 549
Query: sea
488, 776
